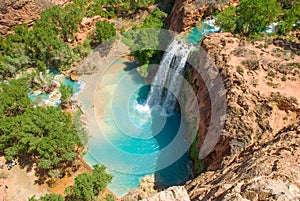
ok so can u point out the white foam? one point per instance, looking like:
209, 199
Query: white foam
143, 108
82, 85
271, 28
212, 22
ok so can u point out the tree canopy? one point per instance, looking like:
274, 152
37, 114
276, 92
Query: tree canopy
104, 31
89, 186
48, 197
253, 17
291, 16
46, 134
143, 41
227, 19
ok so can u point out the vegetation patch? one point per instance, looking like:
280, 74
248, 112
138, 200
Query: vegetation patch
250, 18
251, 64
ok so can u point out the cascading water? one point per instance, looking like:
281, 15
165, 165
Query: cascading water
130, 137
168, 79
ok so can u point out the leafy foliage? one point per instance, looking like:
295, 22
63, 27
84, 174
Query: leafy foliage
112, 8
104, 31
254, 16
88, 186
143, 70
143, 41
290, 17
47, 135
109, 197
227, 19
48, 197
14, 99
43, 45
67, 92
46, 44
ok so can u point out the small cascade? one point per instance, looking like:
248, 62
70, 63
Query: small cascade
167, 82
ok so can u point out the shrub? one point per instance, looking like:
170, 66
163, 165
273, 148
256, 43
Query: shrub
290, 17
283, 78
271, 73
254, 16
240, 70
104, 31
227, 19
251, 64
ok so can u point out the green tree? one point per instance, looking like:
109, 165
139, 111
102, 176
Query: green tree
47, 135
67, 92
291, 16
144, 42
88, 186
227, 19
14, 98
109, 197
104, 31
48, 197
254, 16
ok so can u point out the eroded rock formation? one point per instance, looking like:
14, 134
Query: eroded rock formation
187, 13
262, 171
258, 154
261, 98
14, 12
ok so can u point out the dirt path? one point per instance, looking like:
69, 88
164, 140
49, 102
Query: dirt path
21, 184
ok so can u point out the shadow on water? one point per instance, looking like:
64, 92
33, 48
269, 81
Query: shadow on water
178, 171
130, 66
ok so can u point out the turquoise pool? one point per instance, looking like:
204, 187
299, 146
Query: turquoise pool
133, 142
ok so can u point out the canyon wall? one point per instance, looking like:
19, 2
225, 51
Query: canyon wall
187, 13
14, 12
258, 154
260, 93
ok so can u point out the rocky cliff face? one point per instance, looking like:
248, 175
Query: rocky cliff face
261, 80
14, 12
258, 154
187, 13
257, 157
262, 171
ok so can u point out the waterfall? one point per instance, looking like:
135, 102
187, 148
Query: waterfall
167, 82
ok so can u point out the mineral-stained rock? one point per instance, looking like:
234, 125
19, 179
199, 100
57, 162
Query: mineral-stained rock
187, 13
175, 193
14, 12
258, 154
263, 171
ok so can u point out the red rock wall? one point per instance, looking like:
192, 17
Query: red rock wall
14, 12
187, 13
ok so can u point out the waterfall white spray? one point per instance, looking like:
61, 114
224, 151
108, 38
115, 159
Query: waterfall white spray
167, 82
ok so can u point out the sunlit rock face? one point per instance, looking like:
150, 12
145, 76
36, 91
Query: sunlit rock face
14, 12
258, 154
260, 140
187, 13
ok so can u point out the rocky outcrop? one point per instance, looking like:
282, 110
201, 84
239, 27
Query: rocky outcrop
258, 154
175, 193
263, 171
259, 100
262, 103
14, 12
187, 13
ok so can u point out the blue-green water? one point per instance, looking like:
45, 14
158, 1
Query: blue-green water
202, 29
41, 98
133, 141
